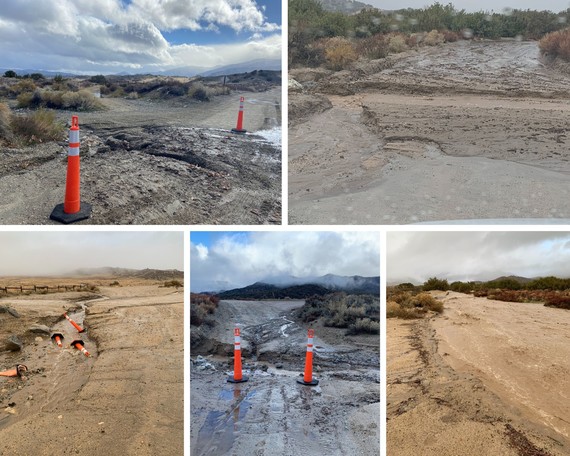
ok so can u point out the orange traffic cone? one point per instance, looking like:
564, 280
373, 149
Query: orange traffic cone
238, 377
57, 338
73, 209
239, 126
308, 377
80, 346
18, 371
75, 325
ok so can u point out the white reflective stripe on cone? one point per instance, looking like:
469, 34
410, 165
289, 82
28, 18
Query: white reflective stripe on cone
310, 340
73, 136
309, 349
236, 347
73, 151
237, 339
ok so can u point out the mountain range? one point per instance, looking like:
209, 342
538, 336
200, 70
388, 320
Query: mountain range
301, 288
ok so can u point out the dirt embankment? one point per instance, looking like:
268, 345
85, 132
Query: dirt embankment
126, 398
486, 377
157, 162
469, 130
272, 413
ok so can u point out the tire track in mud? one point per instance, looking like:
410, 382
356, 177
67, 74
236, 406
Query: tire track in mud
437, 410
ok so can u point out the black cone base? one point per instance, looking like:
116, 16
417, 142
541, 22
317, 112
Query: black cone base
243, 379
311, 383
59, 216
241, 132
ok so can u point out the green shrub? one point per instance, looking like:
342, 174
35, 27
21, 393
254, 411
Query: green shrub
173, 283
434, 283
98, 79
37, 127
364, 325
10, 74
198, 92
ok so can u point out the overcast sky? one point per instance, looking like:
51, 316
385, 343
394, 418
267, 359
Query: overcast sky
111, 36
475, 5
415, 257
231, 260
53, 253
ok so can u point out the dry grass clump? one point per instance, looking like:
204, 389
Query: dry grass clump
340, 53
201, 306
5, 121
407, 305
37, 127
396, 43
556, 44
373, 47
173, 283
558, 301
434, 38
55, 99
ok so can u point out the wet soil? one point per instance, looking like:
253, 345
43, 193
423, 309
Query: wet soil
157, 162
271, 413
485, 377
468, 130
126, 397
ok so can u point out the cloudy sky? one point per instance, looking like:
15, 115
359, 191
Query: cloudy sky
475, 5
236, 259
111, 36
415, 257
53, 253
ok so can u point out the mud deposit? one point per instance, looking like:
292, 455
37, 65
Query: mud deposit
271, 413
468, 130
486, 377
124, 399
157, 162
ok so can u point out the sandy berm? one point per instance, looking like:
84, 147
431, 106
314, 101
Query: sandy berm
127, 398
486, 377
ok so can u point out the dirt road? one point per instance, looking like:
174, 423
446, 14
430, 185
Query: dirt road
271, 413
486, 377
468, 130
157, 162
127, 398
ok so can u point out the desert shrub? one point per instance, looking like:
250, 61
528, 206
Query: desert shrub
373, 47
434, 283
115, 284
450, 37
98, 79
462, 287
506, 295
173, 283
5, 120
558, 301
395, 310
556, 44
80, 101
10, 74
339, 53
426, 301
198, 91
397, 44
23, 86
201, 306
39, 126
364, 325
434, 38
132, 96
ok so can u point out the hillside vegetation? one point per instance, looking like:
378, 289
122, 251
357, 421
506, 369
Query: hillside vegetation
374, 34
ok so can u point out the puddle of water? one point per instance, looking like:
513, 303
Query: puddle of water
220, 429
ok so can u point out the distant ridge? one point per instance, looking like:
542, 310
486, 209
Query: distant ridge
301, 288
153, 274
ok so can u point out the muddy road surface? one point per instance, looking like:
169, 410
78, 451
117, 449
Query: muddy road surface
468, 130
486, 377
126, 398
271, 413
157, 162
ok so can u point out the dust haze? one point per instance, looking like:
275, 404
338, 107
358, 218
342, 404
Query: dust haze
54, 253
